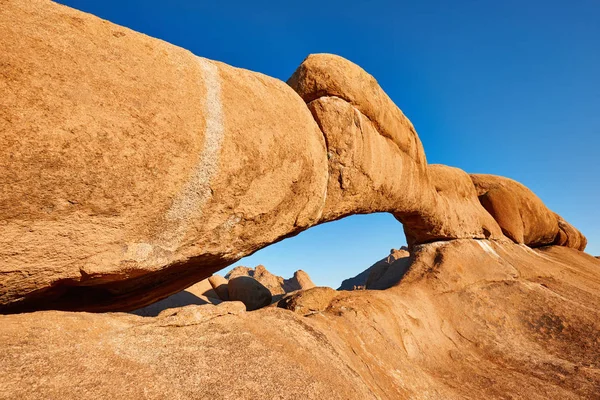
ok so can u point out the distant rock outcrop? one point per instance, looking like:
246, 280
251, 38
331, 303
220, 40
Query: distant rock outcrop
299, 281
218, 288
360, 281
260, 273
276, 284
386, 275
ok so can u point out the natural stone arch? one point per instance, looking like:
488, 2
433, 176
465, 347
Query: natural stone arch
146, 168
334, 251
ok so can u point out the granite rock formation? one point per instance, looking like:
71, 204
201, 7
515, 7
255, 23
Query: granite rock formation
142, 170
146, 169
360, 281
471, 319
277, 285
307, 302
132, 169
522, 216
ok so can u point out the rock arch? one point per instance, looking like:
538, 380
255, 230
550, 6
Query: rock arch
145, 169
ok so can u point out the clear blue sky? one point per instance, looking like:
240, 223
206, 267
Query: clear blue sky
503, 87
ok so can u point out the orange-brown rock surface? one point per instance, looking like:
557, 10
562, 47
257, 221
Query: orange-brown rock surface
197, 294
260, 273
132, 169
522, 216
569, 236
310, 301
472, 319
299, 281
145, 169
377, 162
142, 170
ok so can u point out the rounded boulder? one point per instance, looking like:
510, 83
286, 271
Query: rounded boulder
250, 292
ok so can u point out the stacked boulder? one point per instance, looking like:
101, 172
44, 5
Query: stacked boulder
257, 287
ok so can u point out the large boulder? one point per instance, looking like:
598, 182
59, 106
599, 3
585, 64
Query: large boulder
309, 301
250, 292
240, 270
260, 273
522, 216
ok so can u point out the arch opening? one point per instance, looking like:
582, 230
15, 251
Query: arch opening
333, 251
340, 254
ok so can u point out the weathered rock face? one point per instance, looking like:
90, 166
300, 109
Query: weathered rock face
472, 319
520, 213
310, 301
569, 236
384, 274
377, 162
145, 169
272, 282
325, 75
249, 291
